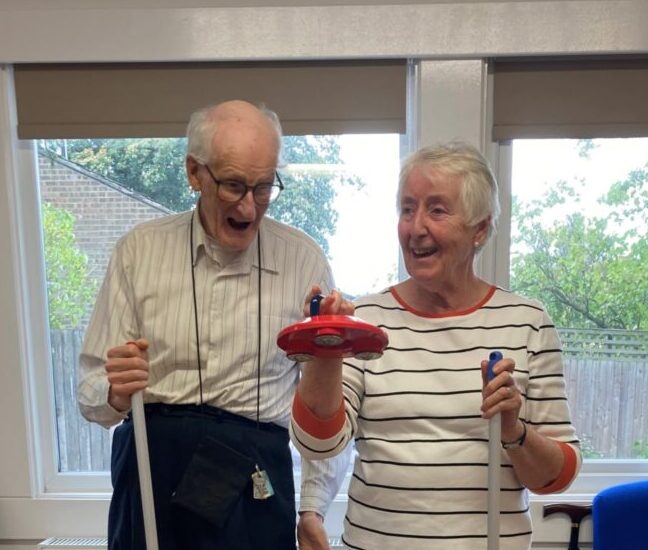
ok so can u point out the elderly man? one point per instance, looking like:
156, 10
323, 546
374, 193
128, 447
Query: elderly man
189, 312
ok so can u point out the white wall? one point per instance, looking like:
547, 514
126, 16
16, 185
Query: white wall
452, 98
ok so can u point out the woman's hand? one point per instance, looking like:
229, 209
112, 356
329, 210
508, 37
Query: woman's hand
311, 534
501, 395
333, 304
320, 387
127, 368
541, 460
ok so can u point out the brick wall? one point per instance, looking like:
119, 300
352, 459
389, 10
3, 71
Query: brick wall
103, 209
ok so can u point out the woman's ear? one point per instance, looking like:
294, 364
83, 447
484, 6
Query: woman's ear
481, 232
192, 166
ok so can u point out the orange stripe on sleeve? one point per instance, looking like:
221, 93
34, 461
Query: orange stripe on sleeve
566, 475
321, 428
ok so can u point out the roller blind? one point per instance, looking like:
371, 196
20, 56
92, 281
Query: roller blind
570, 99
156, 99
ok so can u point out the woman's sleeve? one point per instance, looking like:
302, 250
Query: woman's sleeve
547, 408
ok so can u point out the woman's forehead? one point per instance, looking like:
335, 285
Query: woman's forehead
432, 178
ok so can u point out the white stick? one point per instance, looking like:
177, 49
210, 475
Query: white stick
494, 437
144, 469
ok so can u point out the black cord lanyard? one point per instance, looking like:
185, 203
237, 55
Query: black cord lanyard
262, 487
195, 309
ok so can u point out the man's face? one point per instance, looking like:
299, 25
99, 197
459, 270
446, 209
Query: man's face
242, 152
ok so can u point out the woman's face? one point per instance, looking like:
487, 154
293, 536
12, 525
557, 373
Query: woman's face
438, 246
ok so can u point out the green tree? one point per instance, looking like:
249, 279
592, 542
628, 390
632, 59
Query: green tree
156, 169
70, 290
153, 167
585, 147
589, 271
307, 201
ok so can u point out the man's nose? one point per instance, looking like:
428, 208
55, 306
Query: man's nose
247, 205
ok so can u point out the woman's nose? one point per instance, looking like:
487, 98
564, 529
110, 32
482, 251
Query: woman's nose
418, 221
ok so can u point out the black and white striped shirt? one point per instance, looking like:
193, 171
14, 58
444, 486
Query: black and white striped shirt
420, 477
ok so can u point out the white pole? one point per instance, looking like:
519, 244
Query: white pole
144, 470
494, 456
494, 436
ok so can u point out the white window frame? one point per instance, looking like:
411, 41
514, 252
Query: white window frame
35, 502
596, 474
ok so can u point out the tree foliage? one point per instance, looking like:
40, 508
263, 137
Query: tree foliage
590, 271
156, 169
308, 199
153, 167
70, 290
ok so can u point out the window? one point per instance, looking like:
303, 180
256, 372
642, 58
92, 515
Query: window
579, 245
339, 189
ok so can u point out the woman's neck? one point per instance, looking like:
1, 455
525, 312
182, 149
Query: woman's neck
442, 299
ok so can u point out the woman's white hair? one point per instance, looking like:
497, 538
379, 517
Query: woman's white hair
479, 193
202, 126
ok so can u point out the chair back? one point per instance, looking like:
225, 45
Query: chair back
620, 517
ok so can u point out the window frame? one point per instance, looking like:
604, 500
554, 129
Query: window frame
595, 475
96, 486
532, 28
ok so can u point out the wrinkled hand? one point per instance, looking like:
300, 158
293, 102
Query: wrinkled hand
333, 304
311, 534
127, 368
501, 395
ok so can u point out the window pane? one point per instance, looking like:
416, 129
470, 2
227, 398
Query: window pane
579, 245
339, 189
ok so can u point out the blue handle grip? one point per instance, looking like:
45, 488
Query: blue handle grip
315, 304
493, 358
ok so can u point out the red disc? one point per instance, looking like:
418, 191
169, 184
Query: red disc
333, 336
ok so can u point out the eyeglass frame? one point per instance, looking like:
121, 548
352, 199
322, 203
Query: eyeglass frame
248, 188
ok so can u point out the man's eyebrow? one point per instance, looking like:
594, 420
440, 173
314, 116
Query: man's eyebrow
240, 177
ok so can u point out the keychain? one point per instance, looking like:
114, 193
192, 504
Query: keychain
261, 484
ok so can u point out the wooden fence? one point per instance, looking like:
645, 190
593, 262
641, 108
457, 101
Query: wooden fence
606, 376
609, 405
83, 446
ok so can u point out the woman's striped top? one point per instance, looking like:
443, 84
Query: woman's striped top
420, 476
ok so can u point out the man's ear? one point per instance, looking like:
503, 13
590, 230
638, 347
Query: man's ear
192, 166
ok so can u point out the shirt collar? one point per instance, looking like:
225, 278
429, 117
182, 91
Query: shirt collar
198, 234
248, 259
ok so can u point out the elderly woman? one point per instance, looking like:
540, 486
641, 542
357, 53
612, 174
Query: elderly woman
419, 415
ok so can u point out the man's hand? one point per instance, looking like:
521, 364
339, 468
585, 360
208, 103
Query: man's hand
127, 368
311, 534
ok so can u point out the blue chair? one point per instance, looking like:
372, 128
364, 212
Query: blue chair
620, 517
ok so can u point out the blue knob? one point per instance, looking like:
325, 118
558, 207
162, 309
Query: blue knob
493, 358
315, 305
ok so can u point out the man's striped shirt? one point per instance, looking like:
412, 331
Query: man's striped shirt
147, 293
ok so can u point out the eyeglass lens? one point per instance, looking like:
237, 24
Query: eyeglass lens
234, 191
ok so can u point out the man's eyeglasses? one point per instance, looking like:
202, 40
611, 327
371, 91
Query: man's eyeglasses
234, 191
